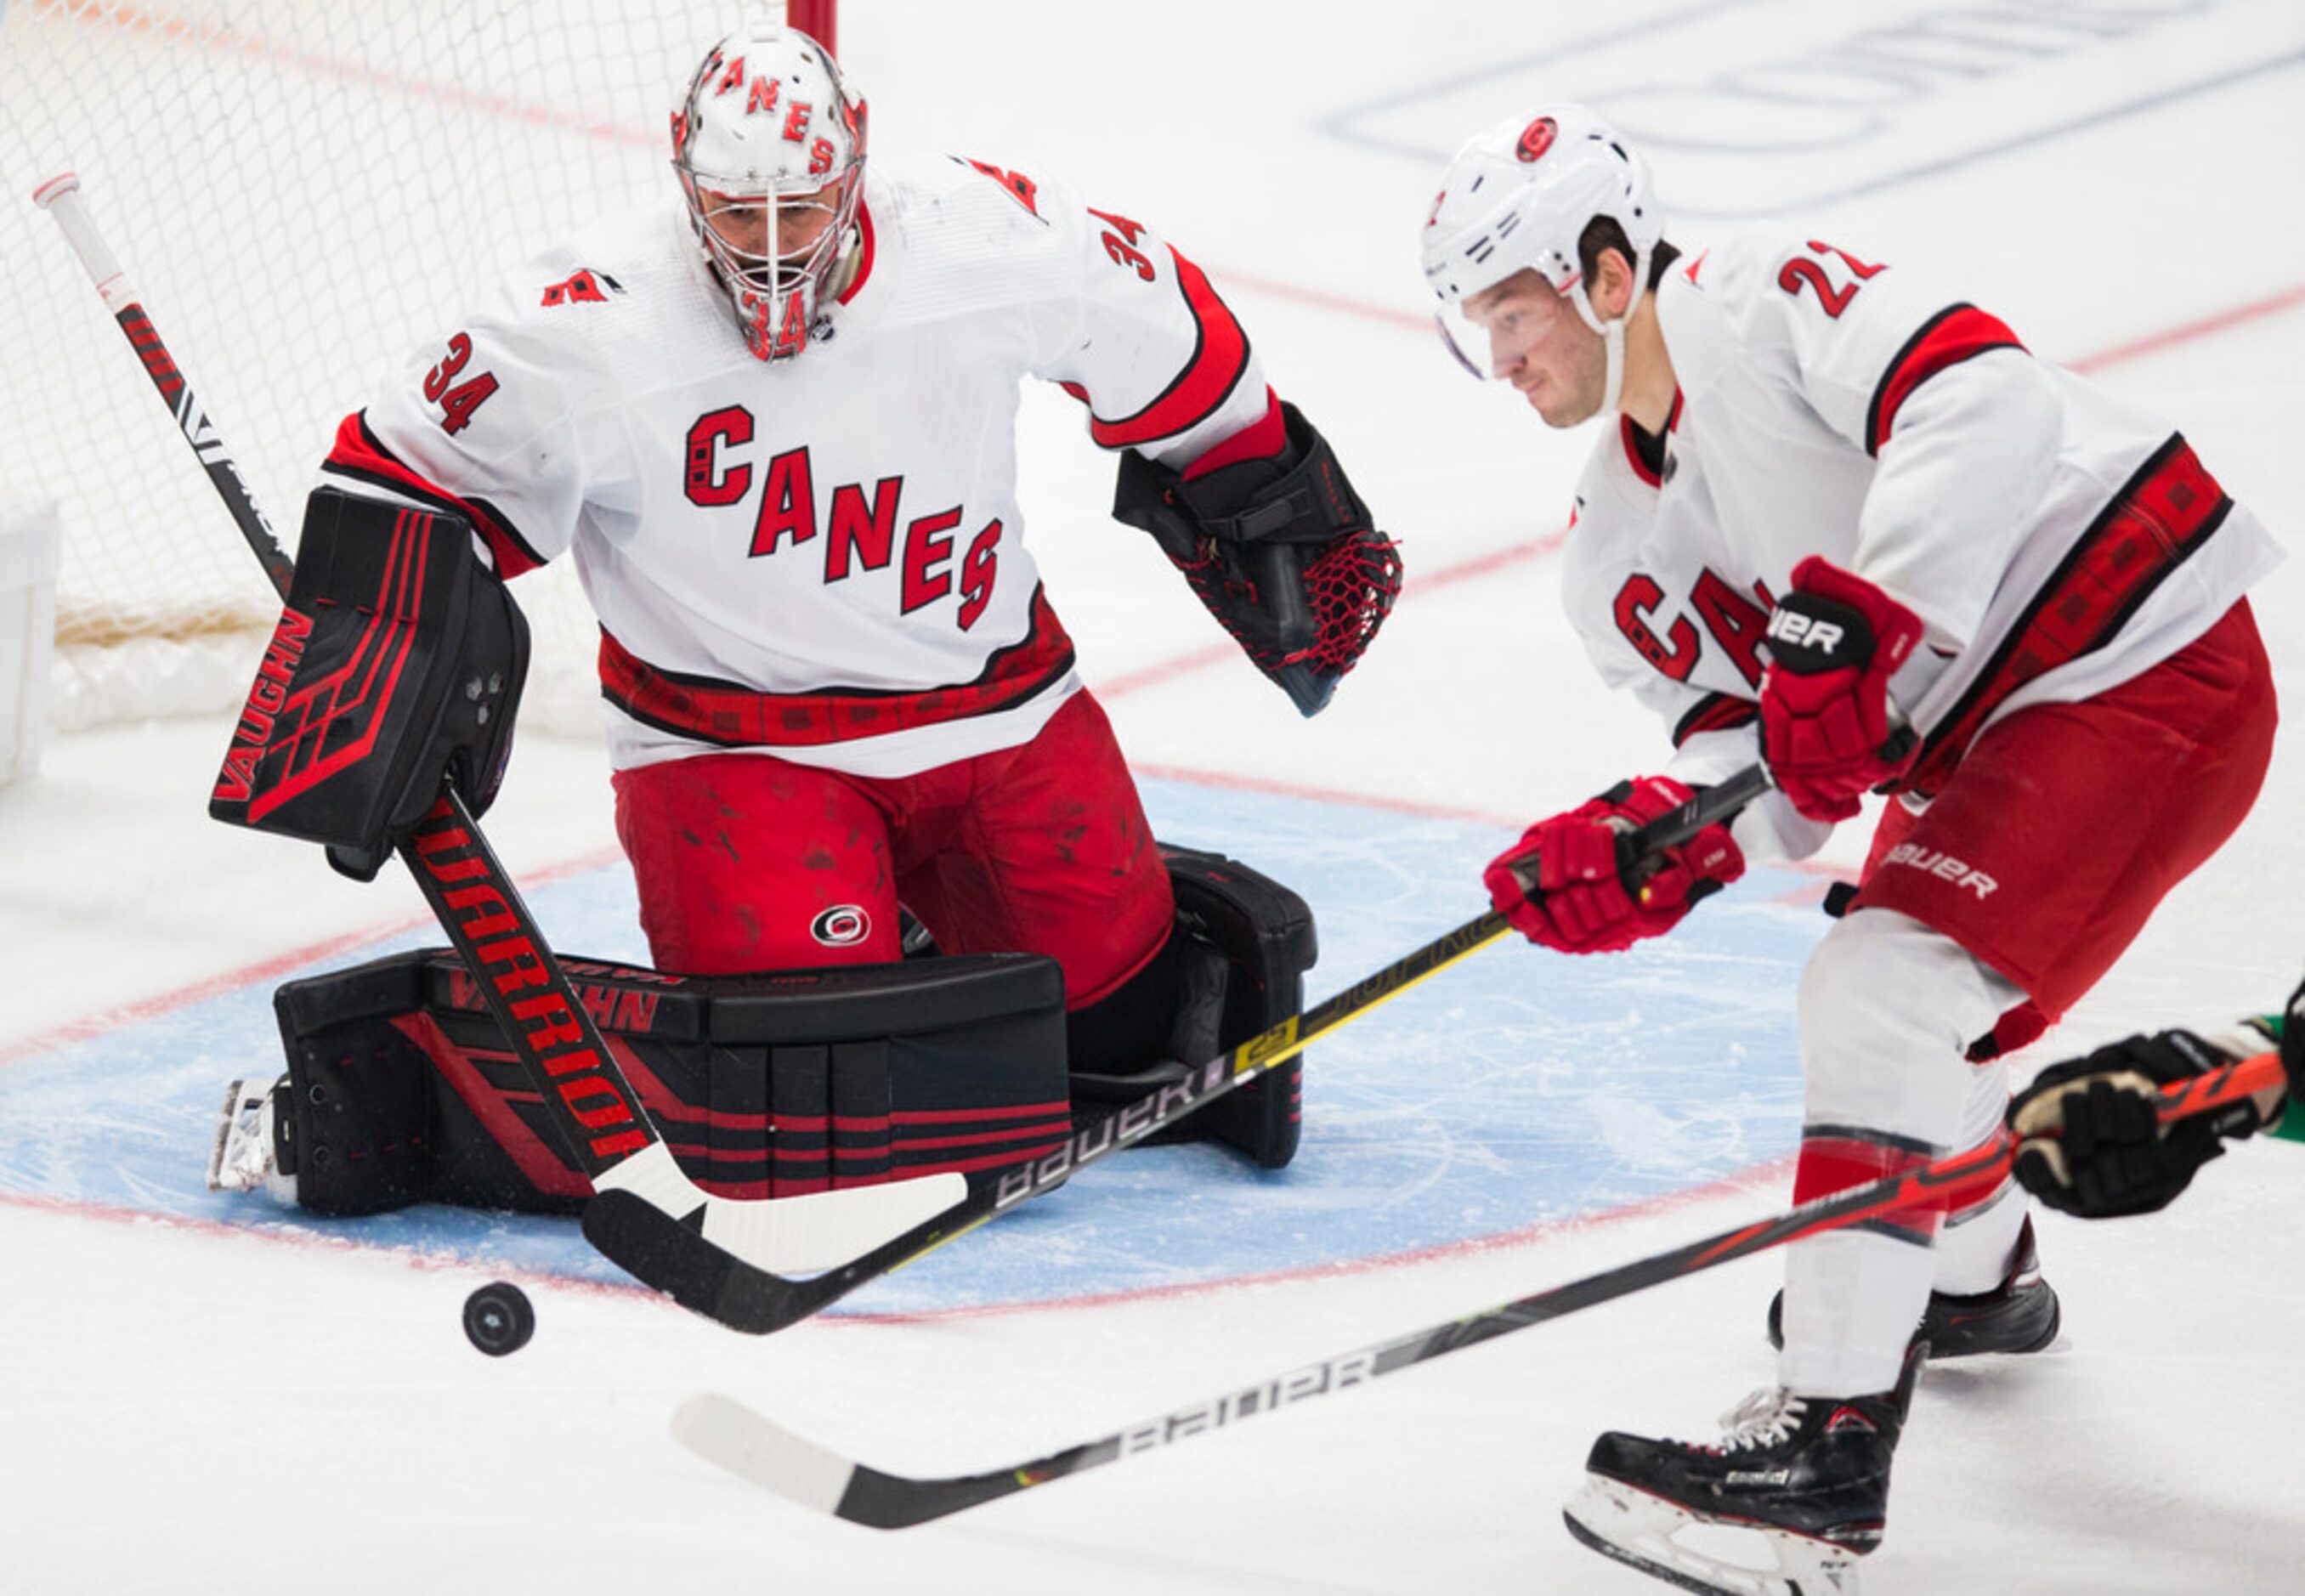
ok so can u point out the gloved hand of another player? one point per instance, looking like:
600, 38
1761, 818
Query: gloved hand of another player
1563, 886
2089, 1138
1835, 640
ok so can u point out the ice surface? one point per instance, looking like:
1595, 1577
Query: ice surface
2111, 181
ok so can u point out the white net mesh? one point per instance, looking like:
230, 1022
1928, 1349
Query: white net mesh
302, 191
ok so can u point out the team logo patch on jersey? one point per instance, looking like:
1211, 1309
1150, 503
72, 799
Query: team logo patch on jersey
1536, 137
843, 925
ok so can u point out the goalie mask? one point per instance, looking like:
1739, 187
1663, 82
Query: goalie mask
1518, 197
768, 145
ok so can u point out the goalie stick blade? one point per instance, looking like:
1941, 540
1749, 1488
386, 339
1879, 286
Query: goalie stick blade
725, 1264
726, 1433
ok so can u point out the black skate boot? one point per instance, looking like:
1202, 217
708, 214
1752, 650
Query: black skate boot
1809, 1475
2019, 1315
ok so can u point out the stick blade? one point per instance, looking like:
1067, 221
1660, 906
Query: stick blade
755, 1447
822, 1230
729, 1435
720, 1261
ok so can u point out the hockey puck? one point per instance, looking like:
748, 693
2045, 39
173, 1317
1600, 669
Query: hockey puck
498, 1319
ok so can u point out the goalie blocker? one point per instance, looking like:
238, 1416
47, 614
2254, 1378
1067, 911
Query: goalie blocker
401, 1088
397, 665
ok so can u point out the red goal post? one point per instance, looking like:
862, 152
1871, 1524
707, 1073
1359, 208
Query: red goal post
309, 188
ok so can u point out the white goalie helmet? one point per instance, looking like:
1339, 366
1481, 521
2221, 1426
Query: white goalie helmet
1519, 196
768, 145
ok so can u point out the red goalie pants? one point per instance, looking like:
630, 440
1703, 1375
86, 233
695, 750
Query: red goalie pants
747, 862
2066, 824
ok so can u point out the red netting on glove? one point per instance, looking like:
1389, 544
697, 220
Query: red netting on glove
1350, 589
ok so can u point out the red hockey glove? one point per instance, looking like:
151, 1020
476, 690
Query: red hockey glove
1835, 640
1563, 886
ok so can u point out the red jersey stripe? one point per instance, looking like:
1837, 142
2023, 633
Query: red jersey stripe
1220, 357
359, 452
1959, 333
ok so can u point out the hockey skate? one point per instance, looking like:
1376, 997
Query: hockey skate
2019, 1315
1802, 1482
245, 1154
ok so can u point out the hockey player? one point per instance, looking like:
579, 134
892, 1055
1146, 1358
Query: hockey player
773, 423
1837, 507
2090, 1139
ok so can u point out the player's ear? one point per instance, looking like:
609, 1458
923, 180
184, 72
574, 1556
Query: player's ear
1611, 289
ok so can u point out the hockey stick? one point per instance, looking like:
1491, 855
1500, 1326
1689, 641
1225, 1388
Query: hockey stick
626, 1225
552, 1035
725, 1432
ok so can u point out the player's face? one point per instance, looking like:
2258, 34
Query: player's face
1540, 344
741, 224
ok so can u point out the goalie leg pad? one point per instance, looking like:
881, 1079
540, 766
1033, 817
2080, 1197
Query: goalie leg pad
397, 663
761, 1085
1233, 968
1265, 936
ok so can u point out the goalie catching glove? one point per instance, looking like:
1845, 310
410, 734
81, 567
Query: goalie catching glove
1280, 549
1566, 886
397, 667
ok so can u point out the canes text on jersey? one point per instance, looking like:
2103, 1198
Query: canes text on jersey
860, 525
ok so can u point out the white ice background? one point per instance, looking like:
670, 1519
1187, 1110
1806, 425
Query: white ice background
196, 1396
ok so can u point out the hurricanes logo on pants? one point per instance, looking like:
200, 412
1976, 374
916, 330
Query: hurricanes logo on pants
843, 925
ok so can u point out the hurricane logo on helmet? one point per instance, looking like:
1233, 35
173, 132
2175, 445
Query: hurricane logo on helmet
769, 146
1536, 137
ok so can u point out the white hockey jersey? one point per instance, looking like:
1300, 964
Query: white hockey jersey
821, 558
2055, 541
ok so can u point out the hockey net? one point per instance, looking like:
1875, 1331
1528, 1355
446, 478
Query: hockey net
302, 191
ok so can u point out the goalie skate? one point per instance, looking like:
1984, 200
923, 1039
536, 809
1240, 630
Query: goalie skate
243, 1156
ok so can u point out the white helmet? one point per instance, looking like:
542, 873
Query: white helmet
1520, 196
768, 144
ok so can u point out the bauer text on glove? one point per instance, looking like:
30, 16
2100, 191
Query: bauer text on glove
1826, 731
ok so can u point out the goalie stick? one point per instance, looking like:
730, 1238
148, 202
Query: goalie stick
724, 1432
623, 1225
701, 1238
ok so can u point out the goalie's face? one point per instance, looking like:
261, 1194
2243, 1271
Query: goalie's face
1536, 340
755, 237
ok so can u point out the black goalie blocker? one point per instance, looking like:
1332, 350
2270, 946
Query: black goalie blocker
401, 1088
396, 666
1283, 552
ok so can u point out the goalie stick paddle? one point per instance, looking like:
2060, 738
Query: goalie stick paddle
624, 1225
725, 1432
703, 1244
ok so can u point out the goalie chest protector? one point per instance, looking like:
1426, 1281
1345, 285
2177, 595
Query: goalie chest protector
761, 1085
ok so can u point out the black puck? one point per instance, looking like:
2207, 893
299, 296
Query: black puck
498, 1319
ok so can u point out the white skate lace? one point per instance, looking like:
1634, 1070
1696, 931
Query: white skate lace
1763, 1419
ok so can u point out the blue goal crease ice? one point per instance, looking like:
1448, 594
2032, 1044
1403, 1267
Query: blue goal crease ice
1515, 1088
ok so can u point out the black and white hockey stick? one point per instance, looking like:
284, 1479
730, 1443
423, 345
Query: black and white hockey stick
624, 1225
701, 1243
724, 1431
